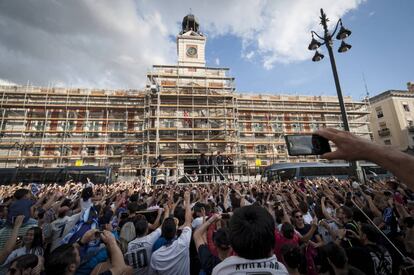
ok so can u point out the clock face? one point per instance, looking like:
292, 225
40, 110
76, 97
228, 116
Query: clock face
191, 51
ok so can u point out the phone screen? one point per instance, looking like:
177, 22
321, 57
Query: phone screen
307, 145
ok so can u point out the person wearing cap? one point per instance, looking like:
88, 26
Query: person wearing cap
221, 239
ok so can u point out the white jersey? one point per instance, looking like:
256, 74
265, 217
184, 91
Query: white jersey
174, 258
239, 266
139, 252
59, 228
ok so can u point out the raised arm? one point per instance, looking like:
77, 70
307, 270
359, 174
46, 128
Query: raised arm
187, 204
156, 223
11, 242
118, 265
351, 147
200, 235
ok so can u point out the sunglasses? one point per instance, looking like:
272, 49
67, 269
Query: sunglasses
298, 217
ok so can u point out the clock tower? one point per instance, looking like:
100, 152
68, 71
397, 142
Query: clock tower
191, 44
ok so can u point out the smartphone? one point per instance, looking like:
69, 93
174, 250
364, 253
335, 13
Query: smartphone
298, 145
98, 234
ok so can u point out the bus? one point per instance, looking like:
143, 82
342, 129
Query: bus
61, 175
289, 171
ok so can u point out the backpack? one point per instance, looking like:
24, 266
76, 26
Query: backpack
381, 258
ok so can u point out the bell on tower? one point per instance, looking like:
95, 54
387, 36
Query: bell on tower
190, 23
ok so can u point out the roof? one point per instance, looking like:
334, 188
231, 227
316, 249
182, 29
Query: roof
391, 93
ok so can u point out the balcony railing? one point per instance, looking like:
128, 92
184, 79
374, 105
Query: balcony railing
384, 132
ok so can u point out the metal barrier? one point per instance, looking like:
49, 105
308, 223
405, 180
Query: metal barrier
201, 174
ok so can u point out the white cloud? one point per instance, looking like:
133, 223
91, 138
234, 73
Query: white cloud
5, 82
372, 13
217, 61
248, 55
112, 44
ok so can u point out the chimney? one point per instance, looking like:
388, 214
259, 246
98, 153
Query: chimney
410, 87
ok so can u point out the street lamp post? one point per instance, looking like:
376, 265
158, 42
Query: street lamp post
328, 42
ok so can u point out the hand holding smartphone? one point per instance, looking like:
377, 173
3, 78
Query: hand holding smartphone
298, 145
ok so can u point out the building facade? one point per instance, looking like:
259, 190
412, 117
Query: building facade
185, 110
392, 117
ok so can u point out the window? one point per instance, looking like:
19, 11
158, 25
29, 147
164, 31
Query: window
277, 127
169, 123
91, 151
68, 125
286, 174
406, 107
243, 148
118, 128
36, 151
314, 126
37, 126
281, 148
118, 150
65, 151
297, 127
324, 171
387, 142
94, 127
410, 122
258, 127
261, 149
379, 112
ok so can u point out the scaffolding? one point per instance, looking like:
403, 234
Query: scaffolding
56, 127
189, 111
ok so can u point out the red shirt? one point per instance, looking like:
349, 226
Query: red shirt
280, 241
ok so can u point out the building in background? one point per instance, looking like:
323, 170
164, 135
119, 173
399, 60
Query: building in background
185, 110
392, 116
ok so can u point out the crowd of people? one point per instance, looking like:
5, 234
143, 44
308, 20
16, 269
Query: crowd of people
305, 226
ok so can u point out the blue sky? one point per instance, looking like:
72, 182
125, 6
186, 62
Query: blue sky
382, 42
113, 44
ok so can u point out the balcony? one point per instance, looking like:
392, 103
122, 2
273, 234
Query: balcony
410, 128
384, 132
